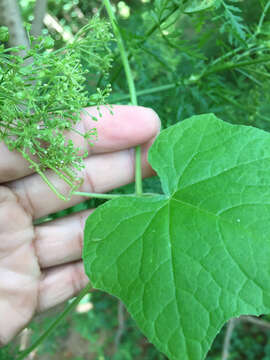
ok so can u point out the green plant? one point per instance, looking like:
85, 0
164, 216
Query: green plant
187, 260
42, 95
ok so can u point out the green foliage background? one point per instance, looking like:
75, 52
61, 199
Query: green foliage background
215, 60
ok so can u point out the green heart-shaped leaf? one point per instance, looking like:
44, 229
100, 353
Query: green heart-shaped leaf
187, 261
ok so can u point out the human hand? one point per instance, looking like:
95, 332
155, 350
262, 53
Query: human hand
40, 266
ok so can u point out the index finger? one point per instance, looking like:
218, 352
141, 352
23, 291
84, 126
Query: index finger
115, 132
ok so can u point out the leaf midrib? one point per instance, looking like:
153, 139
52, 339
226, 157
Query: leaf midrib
206, 211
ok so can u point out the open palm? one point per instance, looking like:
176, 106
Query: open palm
40, 266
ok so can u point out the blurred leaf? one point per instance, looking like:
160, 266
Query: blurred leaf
194, 6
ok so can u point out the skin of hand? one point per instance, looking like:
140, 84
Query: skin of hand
40, 266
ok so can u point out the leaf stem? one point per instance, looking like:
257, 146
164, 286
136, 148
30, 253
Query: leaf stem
132, 90
108, 196
55, 323
97, 196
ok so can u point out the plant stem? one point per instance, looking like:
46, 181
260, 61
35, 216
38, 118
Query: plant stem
108, 196
158, 25
146, 92
132, 90
231, 65
213, 69
55, 323
266, 8
237, 52
59, 173
36, 167
123, 53
147, 35
227, 341
98, 196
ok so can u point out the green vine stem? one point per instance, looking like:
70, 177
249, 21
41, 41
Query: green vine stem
97, 196
132, 90
109, 196
119, 98
141, 42
155, 27
55, 323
